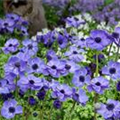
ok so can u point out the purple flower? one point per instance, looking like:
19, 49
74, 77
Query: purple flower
80, 96
24, 31
98, 40
112, 69
30, 82
13, 17
62, 92
110, 109
81, 78
75, 54
32, 100
56, 68
62, 40
41, 94
36, 65
11, 46
98, 84
57, 104
15, 65
7, 25
47, 39
30, 47
10, 109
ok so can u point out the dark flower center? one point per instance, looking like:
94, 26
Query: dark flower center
31, 82
17, 64
110, 107
76, 19
97, 39
67, 66
82, 39
35, 67
112, 70
23, 31
81, 78
75, 52
11, 109
6, 24
30, 46
60, 42
62, 91
98, 84
53, 67
12, 18
10, 45
115, 35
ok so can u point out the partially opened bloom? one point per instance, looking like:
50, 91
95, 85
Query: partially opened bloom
62, 40
81, 78
41, 94
11, 46
110, 109
98, 39
98, 84
10, 109
32, 100
112, 69
57, 104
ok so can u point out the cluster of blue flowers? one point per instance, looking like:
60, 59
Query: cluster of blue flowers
99, 9
13, 24
53, 64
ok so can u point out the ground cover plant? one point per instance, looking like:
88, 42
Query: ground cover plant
70, 71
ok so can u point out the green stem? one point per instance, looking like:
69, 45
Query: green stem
41, 111
97, 63
96, 75
50, 114
71, 111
